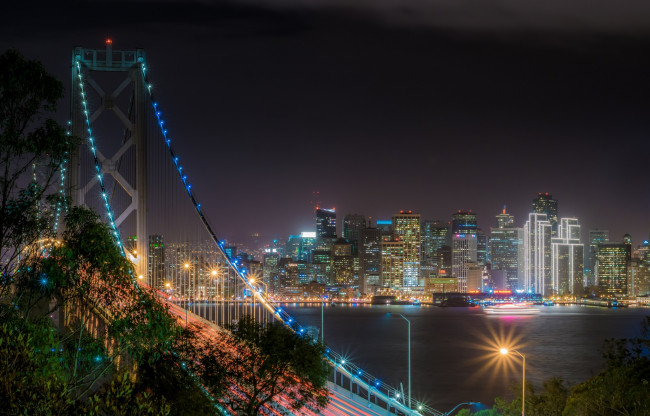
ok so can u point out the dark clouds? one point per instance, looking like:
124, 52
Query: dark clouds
432, 106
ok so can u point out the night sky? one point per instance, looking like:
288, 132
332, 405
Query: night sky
433, 106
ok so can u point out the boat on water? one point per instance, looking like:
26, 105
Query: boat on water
388, 300
512, 309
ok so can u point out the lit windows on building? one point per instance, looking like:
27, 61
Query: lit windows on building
567, 259
406, 228
611, 268
537, 254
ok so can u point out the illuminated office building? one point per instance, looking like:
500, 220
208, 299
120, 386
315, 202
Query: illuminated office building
434, 235
464, 246
352, 224
392, 264
270, 262
567, 258
611, 268
505, 220
156, 262
369, 259
507, 250
537, 254
307, 245
325, 223
341, 267
321, 264
482, 253
595, 237
292, 247
545, 204
406, 228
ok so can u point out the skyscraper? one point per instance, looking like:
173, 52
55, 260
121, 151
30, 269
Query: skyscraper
352, 224
505, 220
545, 204
406, 228
611, 268
507, 250
385, 227
392, 264
369, 259
307, 245
292, 247
567, 258
434, 235
156, 262
595, 237
325, 223
537, 254
341, 266
464, 248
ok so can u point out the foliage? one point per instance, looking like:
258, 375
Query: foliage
264, 361
31, 380
120, 399
27, 94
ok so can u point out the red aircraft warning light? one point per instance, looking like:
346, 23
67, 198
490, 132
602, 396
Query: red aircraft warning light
109, 41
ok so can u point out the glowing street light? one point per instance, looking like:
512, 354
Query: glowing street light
504, 351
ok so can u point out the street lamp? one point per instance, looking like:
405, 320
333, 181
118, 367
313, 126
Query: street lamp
504, 351
460, 404
409, 347
322, 321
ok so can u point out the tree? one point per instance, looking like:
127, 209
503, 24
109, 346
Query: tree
29, 146
260, 362
623, 387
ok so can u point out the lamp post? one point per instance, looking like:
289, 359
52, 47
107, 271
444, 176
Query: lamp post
504, 351
187, 266
460, 404
409, 346
322, 321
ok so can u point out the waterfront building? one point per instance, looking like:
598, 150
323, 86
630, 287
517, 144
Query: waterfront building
596, 237
156, 262
440, 284
341, 266
444, 260
611, 268
537, 254
464, 240
369, 259
325, 223
507, 250
567, 259
477, 279
406, 228
545, 204
392, 264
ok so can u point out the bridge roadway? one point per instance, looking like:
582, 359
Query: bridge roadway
342, 402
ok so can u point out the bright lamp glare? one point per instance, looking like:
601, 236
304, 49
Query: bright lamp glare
503, 351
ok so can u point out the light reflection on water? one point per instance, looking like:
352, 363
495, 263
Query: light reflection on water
455, 350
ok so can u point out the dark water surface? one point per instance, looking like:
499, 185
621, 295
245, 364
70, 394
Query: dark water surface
454, 351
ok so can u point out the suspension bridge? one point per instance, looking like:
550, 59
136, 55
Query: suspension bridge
128, 170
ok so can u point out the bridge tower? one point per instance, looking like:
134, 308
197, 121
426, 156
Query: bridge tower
130, 121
